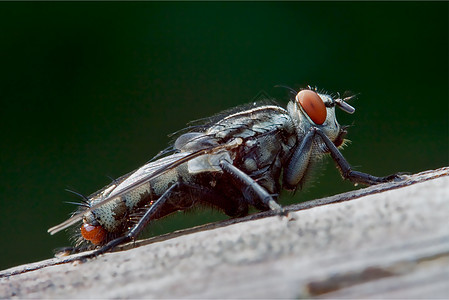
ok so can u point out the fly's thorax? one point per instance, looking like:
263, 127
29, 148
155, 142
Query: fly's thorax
250, 123
208, 162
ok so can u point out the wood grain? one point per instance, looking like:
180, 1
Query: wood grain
385, 241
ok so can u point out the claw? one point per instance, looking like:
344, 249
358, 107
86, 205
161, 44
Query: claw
397, 177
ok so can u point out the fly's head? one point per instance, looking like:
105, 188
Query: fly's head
313, 109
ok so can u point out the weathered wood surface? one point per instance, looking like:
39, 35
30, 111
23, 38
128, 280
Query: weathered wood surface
389, 241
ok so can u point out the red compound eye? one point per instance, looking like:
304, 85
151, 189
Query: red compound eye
95, 234
312, 105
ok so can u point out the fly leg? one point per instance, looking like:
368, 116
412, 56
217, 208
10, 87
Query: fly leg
299, 162
345, 167
301, 158
247, 184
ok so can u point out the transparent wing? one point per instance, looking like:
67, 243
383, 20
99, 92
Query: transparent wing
144, 174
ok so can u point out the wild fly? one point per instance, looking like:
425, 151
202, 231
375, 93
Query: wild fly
236, 159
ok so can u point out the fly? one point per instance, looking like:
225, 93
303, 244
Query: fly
237, 159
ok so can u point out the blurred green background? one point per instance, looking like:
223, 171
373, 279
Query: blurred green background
89, 90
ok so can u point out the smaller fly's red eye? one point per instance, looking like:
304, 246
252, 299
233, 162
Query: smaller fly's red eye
313, 105
95, 234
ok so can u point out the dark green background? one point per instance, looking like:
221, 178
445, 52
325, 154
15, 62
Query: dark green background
92, 89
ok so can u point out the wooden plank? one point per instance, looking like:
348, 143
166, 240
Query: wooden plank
386, 241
